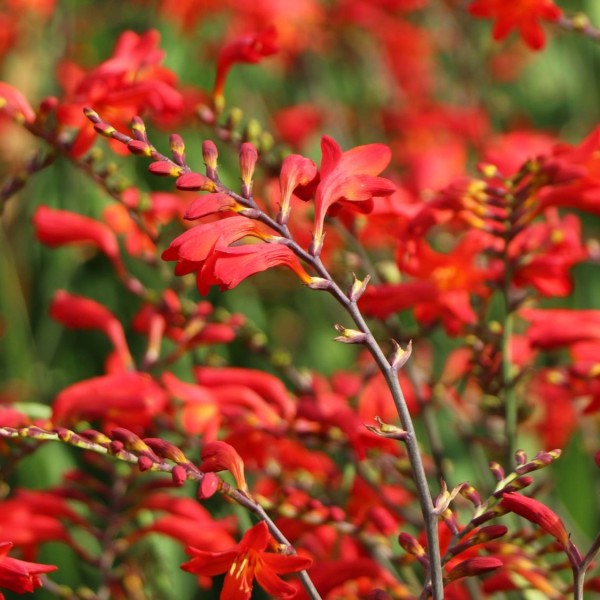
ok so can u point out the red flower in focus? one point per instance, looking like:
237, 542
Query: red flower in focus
250, 48
205, 249
349, 177
130, 83
247, 561
518, 14
62, 227
18, 575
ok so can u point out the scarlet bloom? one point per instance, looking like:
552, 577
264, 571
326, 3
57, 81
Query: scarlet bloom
127, 399
227, 267
518, 14
129, 83
221, 456
247, 561
536, 512
250, 48
295, 171
349, 177
62, 227
79, 312
205, 249
18, 575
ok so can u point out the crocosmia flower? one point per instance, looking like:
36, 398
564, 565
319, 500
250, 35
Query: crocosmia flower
523, 15
18, 575
349, 177
246, 562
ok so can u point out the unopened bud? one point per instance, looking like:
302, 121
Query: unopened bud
474, 566
209, 485
349, 336
388, 431
177, 149
471, 494
165, 168
210, 154
358, 287
318, 283
412, 547
520, 457
248, 159
195, 182
442, 502
179, 475
497, 470
399, 357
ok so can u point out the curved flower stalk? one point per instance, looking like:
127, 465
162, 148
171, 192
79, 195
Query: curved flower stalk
155, 454
349, 177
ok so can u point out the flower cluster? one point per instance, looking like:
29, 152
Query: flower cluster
424, 223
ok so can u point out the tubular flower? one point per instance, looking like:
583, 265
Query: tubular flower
128, 399
205, 250
295, 171
78, 312
539, 514
221, 456
519, 14
349, 176
62, 227
129, 83
192, 248
247, 561
227, 267
250, 48
18, 575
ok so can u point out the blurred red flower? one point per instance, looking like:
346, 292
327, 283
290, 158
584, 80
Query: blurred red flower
518, 14
18, 575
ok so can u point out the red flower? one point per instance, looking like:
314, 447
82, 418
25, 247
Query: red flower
192, 248
349, 176
248, 560
221, 456
518, 14
129, 83
478, 565
539, 514
128, 399
78, 312
248, 49
230, 266
18, 575
295, 171
62, 227
544, 253
204, 249
553, 328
